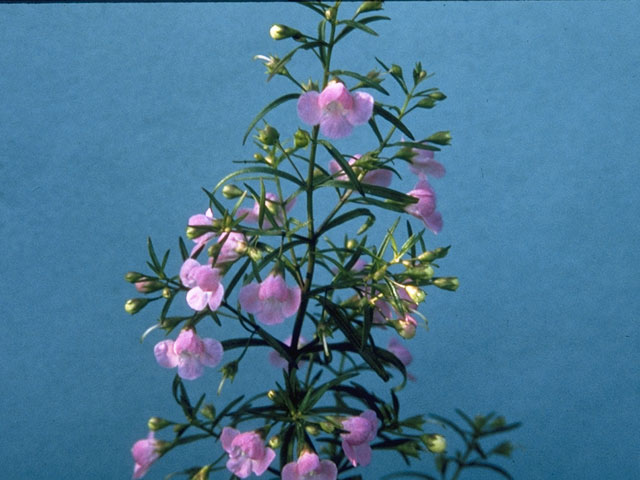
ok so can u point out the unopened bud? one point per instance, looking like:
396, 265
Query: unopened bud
231, 191
254, 253
259, 157
274, 442
420, 272
415, 294
366, 225
406, 327
380, 273
272, 395
167, 293
134, 305
351, 244
157, 423
280, 32
437, 96
312, 429
202, 474
440, 138
133, 277
229, 371
395, 70
148, 286
330, 14
434, 442
369, 7
268, 135
447, 283
327, 427
300, 138
426, 103
208, 411
409, 448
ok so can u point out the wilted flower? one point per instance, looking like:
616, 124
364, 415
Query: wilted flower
361, 432
425, 209
335, 109
309, 466
270, 301
204, 285
189, 353
247, 452
380, 176
144, 453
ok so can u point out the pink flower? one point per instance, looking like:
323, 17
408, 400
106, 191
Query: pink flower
425, 209
380, 176
233, 244
270, 301
189, 353
144, 453
247, 452
309, 466
402, 353
277, 361
423, 164
204, 285
274, 205
201, 220
362, 430
335, 109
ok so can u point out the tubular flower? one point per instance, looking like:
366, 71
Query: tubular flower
309, 466
144, 453
361, 432
270, 301
201, 220
425, 209
402, 353
189, 353
204, 285
380, 176
233, 245
335, 109
247, 452
423, 164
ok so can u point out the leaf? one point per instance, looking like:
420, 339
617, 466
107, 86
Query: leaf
305, 46
363, 21
388, 116
450, 424
359, 25
345, 217
366, 81
191, 438
152, 253
266, 170
277, 102
374, 127
184, 253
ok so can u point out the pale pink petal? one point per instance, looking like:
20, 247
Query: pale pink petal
292, 302
381, 177
240, 466
308, 109
188, 341
334, 167
216, 298
197, 299
362, 454
249, 298
349, 452
227, 436
434, 222
334, 125
189, 367
289, 472
144, 454
260, 465
274, 287
400, 351
165, 354
187, 271
271, 313
362, 108
207, 278
327, 471
358, 428
213, 352
308, 462
335, 92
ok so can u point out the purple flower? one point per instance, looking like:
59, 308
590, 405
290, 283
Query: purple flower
273, 205
247, 452
189, 353
309, 466
425, 209
144, 453
201, 220
402, 353
335, 109
203, 283
270, 301
361, 432
380, 176
423, 164
277, 361
234, 244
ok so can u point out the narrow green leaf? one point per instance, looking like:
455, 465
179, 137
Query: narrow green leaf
359, 26
389, 117
345, 217
277, 102
366, 81
265, 170
283, 61
344, 165
152, 253
363, 21
184, 253
376, 131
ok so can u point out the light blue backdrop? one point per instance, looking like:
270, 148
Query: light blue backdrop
113, 116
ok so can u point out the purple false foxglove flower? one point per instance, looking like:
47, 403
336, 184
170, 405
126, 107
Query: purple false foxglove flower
423, 164
402, 353
361, 432
425, 209
189, 353
234, 244
270, 301
335, 109
144, 453
380, 176
204, 285
309, 466
247, 452
275, 207
201, 220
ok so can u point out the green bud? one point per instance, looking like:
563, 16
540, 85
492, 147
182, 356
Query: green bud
351, 244
301, 138
327, 427
208, 411
447, 283
149, 286
280, 32
505, 449
415, 294
254, 253
268, 135
157, 423
369, 7
440, 138
426, 103
380, 273
366, 225
434, 442
409, 448
437, 96
259, 157
274, 442
330, 14
396, 71
272, 395
133, 277
167, 293
229, 371
312, 429
231, 191
420, 273
432, 255
134, 305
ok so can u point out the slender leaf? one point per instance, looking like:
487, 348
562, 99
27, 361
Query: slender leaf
305, 46
359, 25
389, 117
277, 102
266, 170
366, 81
363, 21
345, 217
344, 165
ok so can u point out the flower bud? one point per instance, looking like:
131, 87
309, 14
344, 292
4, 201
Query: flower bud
369, 7
167, 293
410, 448
437, 96
228, 371
268, 135
420, 272
157, 423
280, 32
426, 103
415, 294
351, 244
406, 327
447, 283
254, 253
133, 277
434, 442
300, 138
396, 70
440, 138
272, 395
202, 474
258, 157
327, 427
208, 411
380, 273
274, 442
330, 14
312, 429
134, 305
231, 191
148, 286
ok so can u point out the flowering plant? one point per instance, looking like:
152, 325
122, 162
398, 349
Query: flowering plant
269, 264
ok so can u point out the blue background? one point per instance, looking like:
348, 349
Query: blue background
113, 116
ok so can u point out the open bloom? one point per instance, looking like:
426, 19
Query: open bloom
201, 220
423, 164
270, 301
247, 452
309, 466
380, 176
277, 361
144, 453
204, 285
233, 245
402, 353
425, 209
189, 353
275, 207
335, 109
361, 432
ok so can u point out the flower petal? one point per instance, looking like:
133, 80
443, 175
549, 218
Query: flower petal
434, 222
189, 367
292, 302
216, 298
213, 352
248, 298
335, 92
308, 109
334, 125
197, 299
260, 466
165, 355
362, 108
227, 436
